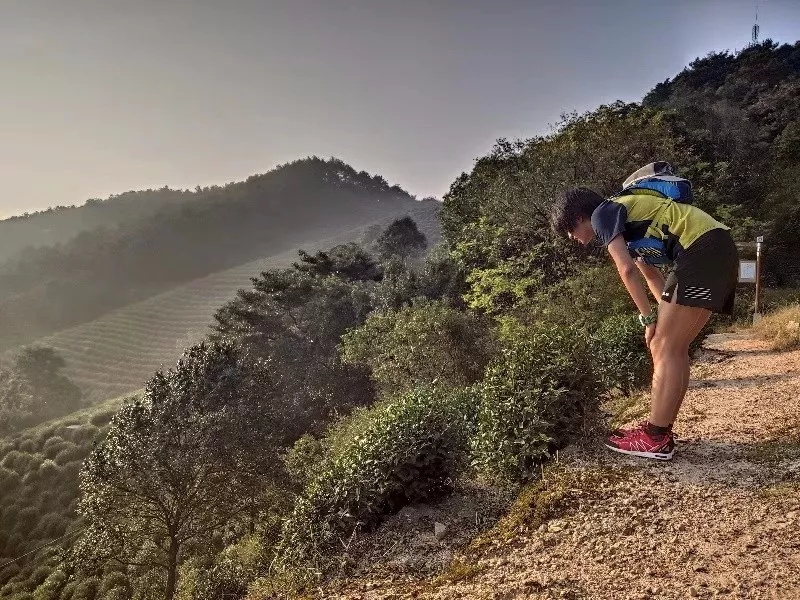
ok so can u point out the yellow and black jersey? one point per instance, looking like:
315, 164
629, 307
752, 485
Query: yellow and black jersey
655, 228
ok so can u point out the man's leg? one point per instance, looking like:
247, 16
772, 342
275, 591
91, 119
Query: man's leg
698, 325
676, 327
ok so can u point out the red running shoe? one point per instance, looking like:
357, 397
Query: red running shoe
638, 442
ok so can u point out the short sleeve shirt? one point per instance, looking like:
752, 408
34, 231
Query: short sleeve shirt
655, 229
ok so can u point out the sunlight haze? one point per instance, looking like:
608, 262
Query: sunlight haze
104, 97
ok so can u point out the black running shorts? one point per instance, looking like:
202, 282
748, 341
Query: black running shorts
705, 274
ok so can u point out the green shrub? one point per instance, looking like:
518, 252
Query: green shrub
50, 526
534, 393
44, 434
38, 576
772, 299
83, 434
620, 354
422, 344
53, 446
114, 581
10, 513
9, 480
102, 418
303, 458
86, 589
27, 517
50, 588
584, 300
68, 590
16, 460
395, 453
48, 470
70, 454
228, 576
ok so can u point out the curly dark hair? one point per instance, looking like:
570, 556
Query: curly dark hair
571, 206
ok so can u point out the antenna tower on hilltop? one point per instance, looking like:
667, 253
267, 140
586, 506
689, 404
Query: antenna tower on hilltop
756, 29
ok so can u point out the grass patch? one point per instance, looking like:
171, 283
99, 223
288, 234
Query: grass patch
556, 493
781, 328
559, 491
459, 570
772, 452
781, 491
627, 408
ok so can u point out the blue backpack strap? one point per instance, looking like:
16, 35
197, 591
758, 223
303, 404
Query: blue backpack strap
675, 188
652, 250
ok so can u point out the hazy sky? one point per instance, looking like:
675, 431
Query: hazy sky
104, 96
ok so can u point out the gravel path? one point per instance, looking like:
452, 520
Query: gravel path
721, 520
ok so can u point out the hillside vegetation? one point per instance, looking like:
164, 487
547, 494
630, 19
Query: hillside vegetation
39, 491
51, 288
60, 224
721, 520
368, 377
117, 352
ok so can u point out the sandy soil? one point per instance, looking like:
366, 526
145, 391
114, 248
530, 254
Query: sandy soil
721, 520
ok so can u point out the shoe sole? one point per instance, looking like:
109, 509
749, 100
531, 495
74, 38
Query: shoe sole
653, 455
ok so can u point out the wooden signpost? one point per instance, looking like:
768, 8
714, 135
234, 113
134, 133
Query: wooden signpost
750, 272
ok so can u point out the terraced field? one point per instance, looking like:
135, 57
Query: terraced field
117, 353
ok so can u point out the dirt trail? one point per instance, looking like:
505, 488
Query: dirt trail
721, 520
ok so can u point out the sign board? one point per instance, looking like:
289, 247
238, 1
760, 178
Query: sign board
747, 271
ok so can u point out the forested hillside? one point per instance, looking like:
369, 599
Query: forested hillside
371, 376
117, 352
741, 116
47, 289
60, 224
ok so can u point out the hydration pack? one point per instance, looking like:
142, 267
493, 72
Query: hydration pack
660, 178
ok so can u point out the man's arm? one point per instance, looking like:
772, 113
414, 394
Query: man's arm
629, 275
654, 277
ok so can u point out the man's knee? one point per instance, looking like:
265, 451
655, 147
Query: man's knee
664, 347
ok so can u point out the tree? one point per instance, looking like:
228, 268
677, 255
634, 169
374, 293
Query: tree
294, 318
17, 405
41, 367
34, 389
178, 464
346, 261
402, 238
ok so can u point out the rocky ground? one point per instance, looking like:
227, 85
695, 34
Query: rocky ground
721, 520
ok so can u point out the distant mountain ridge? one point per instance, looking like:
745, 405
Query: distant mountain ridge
59, 224
51, 288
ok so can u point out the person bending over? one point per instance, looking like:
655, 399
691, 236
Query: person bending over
643, 229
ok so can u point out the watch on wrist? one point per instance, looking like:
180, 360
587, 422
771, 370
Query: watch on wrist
647, 320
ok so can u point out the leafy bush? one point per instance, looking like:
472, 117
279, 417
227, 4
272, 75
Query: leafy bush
620, 354
302, 459
52, 586
395, 453
422, 344
53, 446
114, 585
586, 299
533, 395
772, 299
226, 577
38, 500
70, 453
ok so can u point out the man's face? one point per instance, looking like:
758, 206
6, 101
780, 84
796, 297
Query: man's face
583, 231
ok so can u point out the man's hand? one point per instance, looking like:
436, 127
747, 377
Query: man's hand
649, 332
